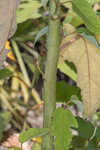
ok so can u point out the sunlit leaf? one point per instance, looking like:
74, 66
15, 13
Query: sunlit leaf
28, 9
62, 121
85, 11
31, 133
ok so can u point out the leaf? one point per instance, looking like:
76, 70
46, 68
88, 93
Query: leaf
29, 61
93, 1
85, 128
97, 134
78, 142
7, 20
28, 9
62, 121
36, 146
32, 132
66, 69
91, 146
4, 119
85, 11
44, 2
79, 104
86, 58
41, 33
4, 73
64, 91
92, 39
15, 148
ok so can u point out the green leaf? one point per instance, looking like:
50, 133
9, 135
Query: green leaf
4, 119
85, 128
64, 91
66, 69
92, 39
98, 148
78, 142
4, 73
31, 133
93, 1
97, 134
62, 121
29, 61
85, 11
16, 148
28, 9
44, 2
91, 146
36, 146
41, 33
25, 28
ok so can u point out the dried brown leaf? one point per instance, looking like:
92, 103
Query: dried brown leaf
7, 24
7, 20
86, 58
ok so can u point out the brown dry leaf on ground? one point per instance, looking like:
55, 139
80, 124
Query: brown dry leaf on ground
86, 58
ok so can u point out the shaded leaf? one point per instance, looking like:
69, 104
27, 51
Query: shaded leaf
64, 91
41, 33
86, 58
78, 142
4, 73
85, 128
4, 119
62, 121
97, 134
91, 146
29, 61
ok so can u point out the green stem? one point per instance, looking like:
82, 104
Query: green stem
31, 51
50, 73
21, 63
24, 71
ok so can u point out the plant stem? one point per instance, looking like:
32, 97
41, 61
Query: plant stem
21, 63
31, 51
50, 72
24, 71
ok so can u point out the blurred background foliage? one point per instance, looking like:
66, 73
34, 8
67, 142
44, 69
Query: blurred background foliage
21, 81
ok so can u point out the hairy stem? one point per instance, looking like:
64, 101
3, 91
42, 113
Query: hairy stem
50, 72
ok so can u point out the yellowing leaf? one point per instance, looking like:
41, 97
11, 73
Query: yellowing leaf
37, 139
86, 57
7, 46
15, 85
11, 56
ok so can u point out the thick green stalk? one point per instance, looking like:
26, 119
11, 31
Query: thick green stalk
50, 72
